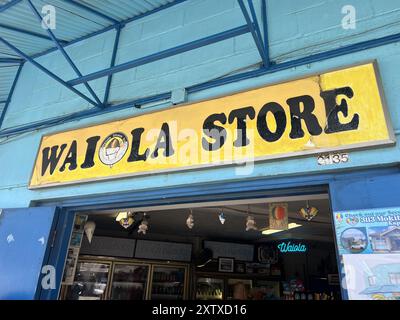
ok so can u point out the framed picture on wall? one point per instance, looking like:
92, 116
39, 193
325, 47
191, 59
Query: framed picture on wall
226, 264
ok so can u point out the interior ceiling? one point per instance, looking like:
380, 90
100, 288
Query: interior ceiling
171, 223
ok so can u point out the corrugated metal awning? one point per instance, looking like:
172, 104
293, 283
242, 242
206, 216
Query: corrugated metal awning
75, 19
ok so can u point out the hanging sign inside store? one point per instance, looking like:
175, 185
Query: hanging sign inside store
334, 111
289, 247
278, 216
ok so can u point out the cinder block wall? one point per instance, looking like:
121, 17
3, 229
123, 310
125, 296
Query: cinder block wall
296, 29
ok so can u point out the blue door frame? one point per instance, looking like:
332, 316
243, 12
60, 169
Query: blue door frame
58, 251
371, 188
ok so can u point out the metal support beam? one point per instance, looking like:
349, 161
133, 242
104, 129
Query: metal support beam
109, 28
3, 101
369, 44
11, 60
27, 32
255, 20
64, 53
256, 37
163, 54
365, 45
112, 64
49, 73
7, 102
83, 114
8, 5
91, 10
265, 26
258, 30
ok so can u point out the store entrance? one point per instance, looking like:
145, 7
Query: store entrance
256, 249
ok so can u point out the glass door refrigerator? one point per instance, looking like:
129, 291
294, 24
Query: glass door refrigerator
168, 283
129, 281
90, 282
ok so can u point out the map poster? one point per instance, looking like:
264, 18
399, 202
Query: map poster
368, 242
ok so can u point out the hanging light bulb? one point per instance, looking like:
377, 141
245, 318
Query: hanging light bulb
308, 212
250, 222
221, 217
190, 220
144, 226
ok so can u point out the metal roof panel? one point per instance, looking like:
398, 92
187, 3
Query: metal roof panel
72, 22
7, 74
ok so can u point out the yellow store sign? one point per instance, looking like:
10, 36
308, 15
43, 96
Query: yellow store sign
334, 111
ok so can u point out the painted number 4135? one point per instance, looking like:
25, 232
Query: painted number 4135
332, 158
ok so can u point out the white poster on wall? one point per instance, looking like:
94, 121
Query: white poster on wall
372, 276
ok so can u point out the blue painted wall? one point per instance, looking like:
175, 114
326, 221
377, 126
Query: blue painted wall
296, 29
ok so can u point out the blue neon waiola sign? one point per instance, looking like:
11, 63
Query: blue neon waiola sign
289, 247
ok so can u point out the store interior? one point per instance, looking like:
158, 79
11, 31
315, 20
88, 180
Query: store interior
205, 251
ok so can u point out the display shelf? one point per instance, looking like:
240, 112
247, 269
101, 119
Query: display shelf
127, 284
237, 275
168, 282
209, 288
208, 297
140, 281
129, 281
166, 296
117, 281
85, 281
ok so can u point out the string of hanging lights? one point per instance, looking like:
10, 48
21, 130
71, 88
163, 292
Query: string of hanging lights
126, 218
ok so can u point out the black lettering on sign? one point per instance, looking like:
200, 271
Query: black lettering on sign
135, 156
213, 131
164, 142
90, 152
52, 159
309, 118
70, 158
241, 116
280, 118
332, 110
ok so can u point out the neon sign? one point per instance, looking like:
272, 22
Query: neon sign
285, 247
